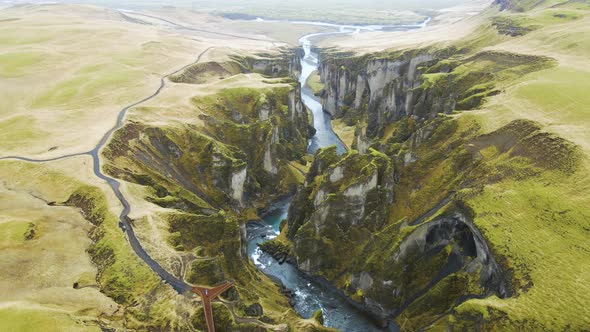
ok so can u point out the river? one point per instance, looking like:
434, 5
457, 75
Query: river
310, 296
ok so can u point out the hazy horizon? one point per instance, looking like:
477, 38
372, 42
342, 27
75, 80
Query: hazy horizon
346, 11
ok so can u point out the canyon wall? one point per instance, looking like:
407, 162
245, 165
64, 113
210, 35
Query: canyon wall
389, 223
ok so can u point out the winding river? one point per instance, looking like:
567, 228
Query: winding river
311, 296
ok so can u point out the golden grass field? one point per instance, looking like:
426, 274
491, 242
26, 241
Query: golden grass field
83, 64
68, 70
37, 273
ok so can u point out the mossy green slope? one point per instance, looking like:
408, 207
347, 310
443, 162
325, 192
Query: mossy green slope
213, 178
145, 302
191, 168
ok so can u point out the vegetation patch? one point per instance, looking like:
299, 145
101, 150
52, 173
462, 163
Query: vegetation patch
206, 72
15, 232
314, 83
211, 232
513, 26
223, 320
27, 319
121, 274
18, 64
480, 75
206, 272
280, 247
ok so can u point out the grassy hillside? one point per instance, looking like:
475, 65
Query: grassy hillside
55, 263
541, 223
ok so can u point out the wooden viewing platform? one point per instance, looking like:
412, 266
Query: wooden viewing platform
207, 295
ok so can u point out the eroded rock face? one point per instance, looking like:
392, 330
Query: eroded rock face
250, 135
264, 112
286, 63
362, 281
349, 222
376, 90
381, 89
508, 5
270, 163
346, 199
237, 184
450, 250
330, 209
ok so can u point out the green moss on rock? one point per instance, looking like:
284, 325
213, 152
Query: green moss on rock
205, 272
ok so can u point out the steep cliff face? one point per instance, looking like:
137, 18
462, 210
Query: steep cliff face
382, 90
244, 149
377, 90
340, 203
340, 224
447, 253
286, 63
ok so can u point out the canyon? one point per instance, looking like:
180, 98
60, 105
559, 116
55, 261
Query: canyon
437, 186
